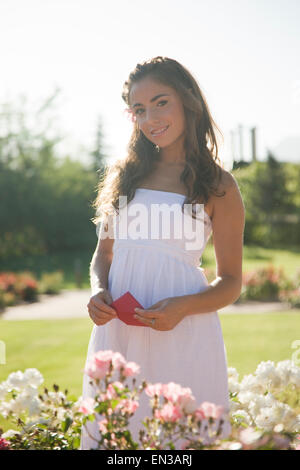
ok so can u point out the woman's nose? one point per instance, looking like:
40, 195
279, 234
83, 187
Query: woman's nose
152, 115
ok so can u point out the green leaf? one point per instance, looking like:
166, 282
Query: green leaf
114, 403
66, 424
102, 407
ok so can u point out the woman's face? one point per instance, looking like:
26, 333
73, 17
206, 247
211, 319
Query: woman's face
154, 113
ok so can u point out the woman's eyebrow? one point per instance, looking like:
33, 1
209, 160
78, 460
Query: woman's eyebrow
152, 99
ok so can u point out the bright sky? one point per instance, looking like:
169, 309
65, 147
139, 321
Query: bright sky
243, 53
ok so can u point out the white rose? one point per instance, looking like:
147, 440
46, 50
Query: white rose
251, 383
284, 370
233, 373
245, 397
266, 419
3, 390
34, 377
267, 374
16, 381
34, 407
233, 385
259, 402
5, 408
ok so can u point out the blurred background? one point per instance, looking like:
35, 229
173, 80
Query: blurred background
62, 120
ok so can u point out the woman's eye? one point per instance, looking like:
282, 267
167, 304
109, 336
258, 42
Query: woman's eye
141, 109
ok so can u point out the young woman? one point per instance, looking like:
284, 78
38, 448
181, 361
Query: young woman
169, 163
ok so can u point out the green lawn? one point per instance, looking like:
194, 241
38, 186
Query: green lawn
255, 257
58, 348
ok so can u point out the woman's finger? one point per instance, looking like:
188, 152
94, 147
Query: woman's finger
100, 305
99, 314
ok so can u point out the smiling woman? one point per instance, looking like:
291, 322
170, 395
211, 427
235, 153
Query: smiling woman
162, 119
169, 165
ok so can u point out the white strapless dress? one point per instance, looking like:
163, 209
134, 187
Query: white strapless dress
193, 353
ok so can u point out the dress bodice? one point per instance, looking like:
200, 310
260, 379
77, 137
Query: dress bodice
154, 219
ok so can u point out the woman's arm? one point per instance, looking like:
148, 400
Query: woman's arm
101, 260
228, 221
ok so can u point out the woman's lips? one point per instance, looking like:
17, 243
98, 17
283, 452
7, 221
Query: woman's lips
158, 134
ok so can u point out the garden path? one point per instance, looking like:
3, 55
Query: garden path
73, 304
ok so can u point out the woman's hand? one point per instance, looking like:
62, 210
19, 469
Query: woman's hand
99, 309
167, 313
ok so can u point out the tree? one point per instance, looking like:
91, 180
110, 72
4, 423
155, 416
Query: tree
98, 158
270, 204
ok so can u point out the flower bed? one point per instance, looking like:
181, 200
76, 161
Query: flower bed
271, 284
264, 410
17, 288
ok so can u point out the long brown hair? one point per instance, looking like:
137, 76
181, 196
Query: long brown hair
201, 174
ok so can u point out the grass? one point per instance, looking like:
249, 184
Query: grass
255, 257
58, 348
250, 339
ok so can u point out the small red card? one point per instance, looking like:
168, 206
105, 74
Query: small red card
125, 306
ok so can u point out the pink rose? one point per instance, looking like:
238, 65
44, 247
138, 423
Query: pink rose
105, 358
131, 368
118, 361
171, 391
95, 370
87, 406
187, 401
199, 414
153, 389
100, 362
127, 406
211, 410
168, 413
130, 406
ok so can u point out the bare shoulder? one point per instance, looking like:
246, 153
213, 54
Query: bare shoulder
227, 181
228, 198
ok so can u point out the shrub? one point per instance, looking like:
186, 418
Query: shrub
26, 287
51, 283
51, 421
18, 287
292, 297
263, 284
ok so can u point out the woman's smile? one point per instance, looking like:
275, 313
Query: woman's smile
159, 131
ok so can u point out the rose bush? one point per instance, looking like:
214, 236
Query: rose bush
264, 410
271, 284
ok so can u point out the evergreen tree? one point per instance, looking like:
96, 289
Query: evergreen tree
98, 158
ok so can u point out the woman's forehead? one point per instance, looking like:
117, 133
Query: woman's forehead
145, 89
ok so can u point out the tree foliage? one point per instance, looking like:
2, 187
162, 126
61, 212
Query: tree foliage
45, 198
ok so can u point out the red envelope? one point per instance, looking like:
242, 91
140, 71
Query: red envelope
125, 306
